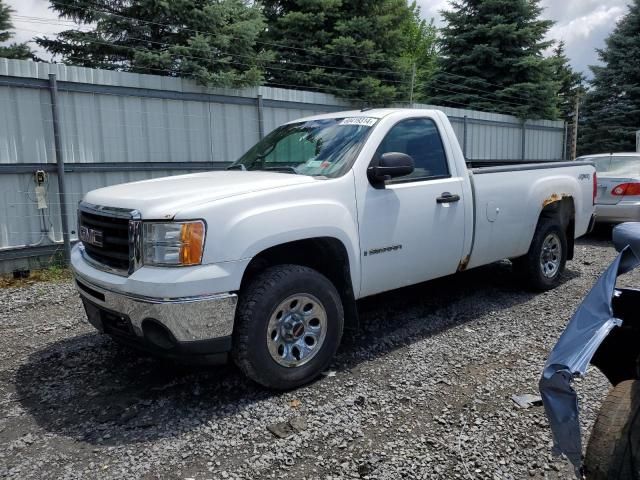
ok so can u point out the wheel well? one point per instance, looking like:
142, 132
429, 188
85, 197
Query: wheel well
326, 255
563, 209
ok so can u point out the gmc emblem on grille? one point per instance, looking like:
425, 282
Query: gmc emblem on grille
91, 236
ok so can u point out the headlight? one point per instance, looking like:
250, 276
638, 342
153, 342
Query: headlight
173, 243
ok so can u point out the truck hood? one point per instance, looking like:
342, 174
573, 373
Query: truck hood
163, 198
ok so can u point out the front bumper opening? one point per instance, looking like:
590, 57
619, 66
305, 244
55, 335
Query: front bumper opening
158, 335
107, 321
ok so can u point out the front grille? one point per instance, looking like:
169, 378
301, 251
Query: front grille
108, 239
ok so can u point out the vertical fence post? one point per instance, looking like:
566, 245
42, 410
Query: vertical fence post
464, 138
564, 141
524, 140
260, 116
64, 218
574, 133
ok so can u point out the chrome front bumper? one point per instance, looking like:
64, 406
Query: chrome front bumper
189, 320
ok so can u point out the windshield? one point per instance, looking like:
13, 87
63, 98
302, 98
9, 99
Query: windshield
616, 166
324, 148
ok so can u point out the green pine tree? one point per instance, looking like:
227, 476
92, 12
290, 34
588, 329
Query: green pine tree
569, 81
492, 59
20, 51
355, 50
611, 112
213, 41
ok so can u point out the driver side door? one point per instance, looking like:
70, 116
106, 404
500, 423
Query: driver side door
412, 230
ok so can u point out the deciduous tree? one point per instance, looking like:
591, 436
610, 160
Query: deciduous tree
420, 57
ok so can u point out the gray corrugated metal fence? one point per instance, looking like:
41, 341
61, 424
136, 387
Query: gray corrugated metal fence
118, 127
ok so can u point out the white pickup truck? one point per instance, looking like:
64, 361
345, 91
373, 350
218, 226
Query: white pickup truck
266, 260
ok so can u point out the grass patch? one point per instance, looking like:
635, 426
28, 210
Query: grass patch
54, 273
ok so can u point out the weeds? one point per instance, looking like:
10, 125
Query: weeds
53, 273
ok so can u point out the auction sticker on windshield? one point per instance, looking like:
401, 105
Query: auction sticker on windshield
364, 121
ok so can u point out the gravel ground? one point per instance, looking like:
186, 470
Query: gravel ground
422, 391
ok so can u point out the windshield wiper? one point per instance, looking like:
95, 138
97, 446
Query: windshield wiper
281, 169
237, 166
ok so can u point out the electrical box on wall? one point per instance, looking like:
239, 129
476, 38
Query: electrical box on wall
40, 177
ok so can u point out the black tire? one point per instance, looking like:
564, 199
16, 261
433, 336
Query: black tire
614, 446
257, 304
529, 267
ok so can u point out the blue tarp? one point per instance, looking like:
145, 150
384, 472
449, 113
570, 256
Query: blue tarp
590, 325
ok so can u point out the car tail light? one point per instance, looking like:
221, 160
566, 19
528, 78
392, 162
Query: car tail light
595, 187
626, 189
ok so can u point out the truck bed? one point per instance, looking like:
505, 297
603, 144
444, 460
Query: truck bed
507, 203
494, 166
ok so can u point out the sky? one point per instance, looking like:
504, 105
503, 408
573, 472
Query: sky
582, 24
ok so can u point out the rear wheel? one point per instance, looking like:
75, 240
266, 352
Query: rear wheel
614, 446
544, 263
288, 327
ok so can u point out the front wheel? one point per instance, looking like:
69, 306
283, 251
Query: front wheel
543, 265
288, 326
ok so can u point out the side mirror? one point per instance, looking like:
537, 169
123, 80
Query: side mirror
391, 165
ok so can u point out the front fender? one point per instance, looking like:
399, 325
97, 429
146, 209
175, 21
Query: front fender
239, 228
284, 223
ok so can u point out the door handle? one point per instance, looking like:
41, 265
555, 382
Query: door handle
447, 197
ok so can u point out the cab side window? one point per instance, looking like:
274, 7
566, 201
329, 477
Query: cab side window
419, 138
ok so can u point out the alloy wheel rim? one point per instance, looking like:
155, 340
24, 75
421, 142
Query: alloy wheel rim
296, 330
551, 255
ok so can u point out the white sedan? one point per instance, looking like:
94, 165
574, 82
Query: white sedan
618, 198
